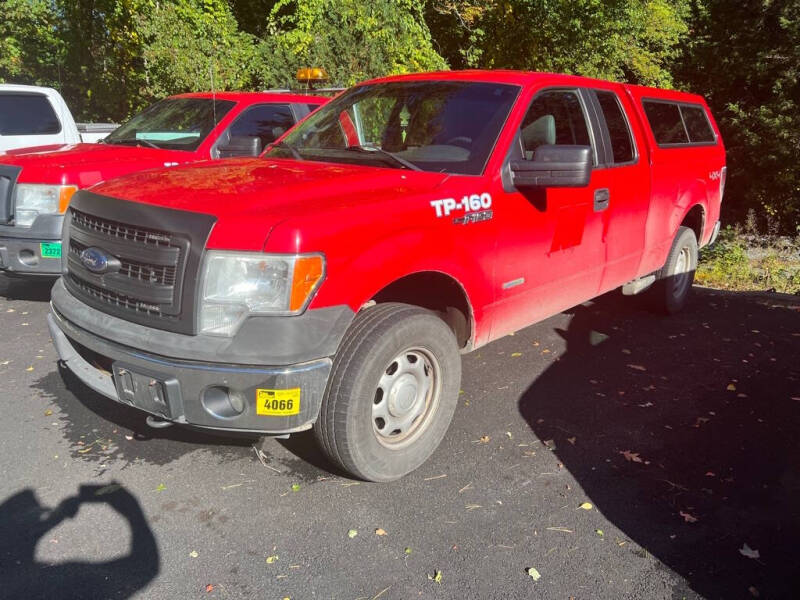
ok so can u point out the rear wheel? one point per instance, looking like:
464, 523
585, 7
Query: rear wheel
391, 394
674, 281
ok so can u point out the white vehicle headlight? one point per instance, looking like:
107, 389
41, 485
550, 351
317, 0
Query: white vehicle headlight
33, 199
238, 284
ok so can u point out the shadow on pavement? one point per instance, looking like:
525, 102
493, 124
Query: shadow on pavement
33, 289
683, 431
96, 427
23, 524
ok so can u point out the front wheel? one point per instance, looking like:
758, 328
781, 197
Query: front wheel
674, 281
391, 394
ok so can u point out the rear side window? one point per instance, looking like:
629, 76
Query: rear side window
27, 114
312, 107
554, 117
697, 124
618, 129
266, 121
666, 123
674, 123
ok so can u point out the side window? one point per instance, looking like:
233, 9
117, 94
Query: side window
697, 125
27, 114
554, 117
618, 128
666, 123
265, 121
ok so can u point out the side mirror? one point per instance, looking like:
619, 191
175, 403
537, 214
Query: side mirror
241, 145
554, 166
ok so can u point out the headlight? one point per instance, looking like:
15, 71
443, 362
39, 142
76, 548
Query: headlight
33, 200
236, 285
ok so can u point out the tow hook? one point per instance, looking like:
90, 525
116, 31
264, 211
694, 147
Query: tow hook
157, 423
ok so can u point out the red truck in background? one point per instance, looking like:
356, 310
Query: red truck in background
37, 183
332, 282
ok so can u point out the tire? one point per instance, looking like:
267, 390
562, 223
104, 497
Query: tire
674, 281
391, 394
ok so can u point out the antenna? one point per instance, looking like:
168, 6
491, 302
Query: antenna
213, 91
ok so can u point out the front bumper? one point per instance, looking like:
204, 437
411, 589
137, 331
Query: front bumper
34, 250
198, 393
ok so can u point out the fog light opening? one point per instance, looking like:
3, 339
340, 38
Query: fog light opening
222, 402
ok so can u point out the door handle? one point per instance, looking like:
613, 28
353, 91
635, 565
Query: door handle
602, 197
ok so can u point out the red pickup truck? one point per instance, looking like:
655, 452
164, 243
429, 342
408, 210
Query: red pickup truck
333, 282
36, 184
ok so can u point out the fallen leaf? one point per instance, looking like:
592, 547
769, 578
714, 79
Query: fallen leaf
407, 550
209, 588
596, 338
599, 532
161, 487
688, 518
380, 531
48, 412
509, 436
516, 354
572, 440
484, 439
272, 559
631, 456
753, 591
437, 576
710, 474
129, 437
550, 444
534, 574
295, 487
194, 554
29, 369
637, 367
749, 552
586, 506
646, 405
352, 533
699, 422
731, 387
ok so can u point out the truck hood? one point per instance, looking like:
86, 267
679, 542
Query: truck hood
250, 196
67, 156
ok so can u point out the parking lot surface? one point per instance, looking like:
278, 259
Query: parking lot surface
604, 453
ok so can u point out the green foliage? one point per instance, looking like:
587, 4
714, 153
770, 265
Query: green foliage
629, 40
190, 46
743, 262
352, 39
30, 48
745, 57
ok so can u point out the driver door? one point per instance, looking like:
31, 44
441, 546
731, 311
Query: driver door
552, 244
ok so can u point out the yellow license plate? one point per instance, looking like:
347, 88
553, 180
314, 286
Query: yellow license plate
278, 403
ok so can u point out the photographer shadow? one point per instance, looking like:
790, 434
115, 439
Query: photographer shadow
23, 524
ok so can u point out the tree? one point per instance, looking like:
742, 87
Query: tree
30, 48
745, 58
352, 39
629, 40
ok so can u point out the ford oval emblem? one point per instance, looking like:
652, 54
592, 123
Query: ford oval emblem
97, 261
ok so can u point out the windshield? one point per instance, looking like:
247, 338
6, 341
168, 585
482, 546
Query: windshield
173, 124
444, 126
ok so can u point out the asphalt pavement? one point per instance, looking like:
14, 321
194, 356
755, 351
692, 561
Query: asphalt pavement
617, 453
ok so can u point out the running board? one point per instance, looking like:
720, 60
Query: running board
637, 286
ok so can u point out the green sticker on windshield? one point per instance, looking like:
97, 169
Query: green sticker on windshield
50, 249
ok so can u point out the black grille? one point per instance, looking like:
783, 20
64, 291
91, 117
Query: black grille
112, 298
159, 252
120, 231
135, 270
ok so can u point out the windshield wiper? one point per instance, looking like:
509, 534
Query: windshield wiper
137, 141
390, 155
295, 152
